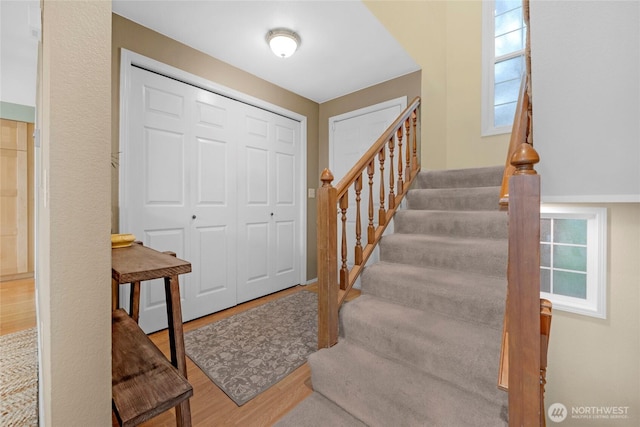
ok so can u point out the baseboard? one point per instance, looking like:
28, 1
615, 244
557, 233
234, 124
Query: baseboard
12, 277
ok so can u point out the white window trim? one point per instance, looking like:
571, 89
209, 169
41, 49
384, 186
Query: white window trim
596, 303
488, 62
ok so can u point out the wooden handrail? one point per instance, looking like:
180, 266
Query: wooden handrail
519, 134
396, 149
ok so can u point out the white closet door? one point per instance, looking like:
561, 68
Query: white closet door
216, 181
213, 205
180, 187
157, 153
268, 218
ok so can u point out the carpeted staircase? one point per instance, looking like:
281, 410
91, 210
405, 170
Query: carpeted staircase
421, 345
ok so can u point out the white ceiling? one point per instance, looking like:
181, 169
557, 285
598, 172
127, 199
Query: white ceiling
344, 47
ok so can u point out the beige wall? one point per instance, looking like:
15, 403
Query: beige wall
596, 362
465, 147
129, 35
408, 85
73, 271
444, 38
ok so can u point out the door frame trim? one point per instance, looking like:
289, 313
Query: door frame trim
128, 59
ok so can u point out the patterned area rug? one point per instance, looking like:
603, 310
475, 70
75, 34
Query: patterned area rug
19, 379
249, 352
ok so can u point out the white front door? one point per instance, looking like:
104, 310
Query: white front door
200, 180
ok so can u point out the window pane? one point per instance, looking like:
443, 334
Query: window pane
508, 70
545, 230
508, 22
545, 255
545, 280
570, 257
503, 114
570, 284
506, 92
570, 231
509, 43
503, 6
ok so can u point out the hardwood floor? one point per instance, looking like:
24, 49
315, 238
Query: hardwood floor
17, 306
210, 407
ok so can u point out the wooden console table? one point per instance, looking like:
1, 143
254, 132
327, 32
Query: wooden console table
138, 263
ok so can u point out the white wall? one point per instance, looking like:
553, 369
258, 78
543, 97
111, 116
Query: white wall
586, 99
586, 116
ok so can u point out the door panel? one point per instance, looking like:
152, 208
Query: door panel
285, 179
285, 241
258, 252
164, 167
257, 162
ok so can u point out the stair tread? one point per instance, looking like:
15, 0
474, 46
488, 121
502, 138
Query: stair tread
318, 411
396, 394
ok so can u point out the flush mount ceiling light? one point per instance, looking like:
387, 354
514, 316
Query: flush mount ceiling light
283, 42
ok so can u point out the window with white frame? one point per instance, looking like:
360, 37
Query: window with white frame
573, 258
503, 45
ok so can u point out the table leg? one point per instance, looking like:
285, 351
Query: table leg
115, 294
176, 342
134, 301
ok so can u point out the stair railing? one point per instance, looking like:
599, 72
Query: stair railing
527, 322
385, 173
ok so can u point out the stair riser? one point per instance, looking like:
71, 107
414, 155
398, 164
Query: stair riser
483, 199
481, 257
488, 225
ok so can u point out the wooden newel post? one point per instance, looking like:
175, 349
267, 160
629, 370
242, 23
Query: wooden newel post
523, 308
524, 158
327, 262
